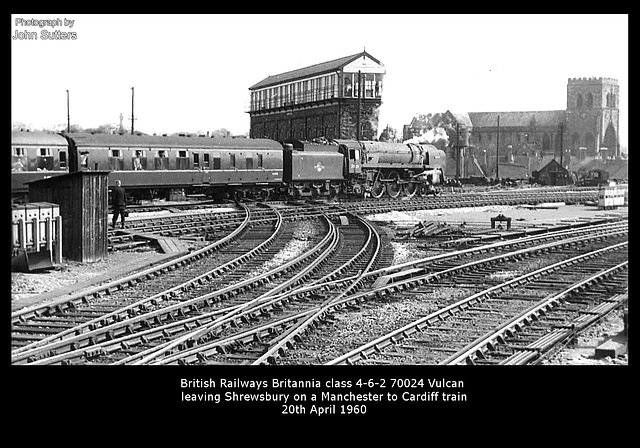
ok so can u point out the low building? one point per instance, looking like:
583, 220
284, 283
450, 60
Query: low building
552, 174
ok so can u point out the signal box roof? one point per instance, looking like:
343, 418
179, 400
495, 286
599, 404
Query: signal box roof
312, 70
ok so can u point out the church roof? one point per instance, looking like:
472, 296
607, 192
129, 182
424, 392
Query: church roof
517, 119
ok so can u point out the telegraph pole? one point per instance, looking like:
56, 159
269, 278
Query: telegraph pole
498, 149
132, 118
457, 151
359, 106
561, 144
68, 116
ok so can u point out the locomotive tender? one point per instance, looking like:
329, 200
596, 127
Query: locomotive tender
155, 166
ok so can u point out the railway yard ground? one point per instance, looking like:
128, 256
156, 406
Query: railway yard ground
402, 228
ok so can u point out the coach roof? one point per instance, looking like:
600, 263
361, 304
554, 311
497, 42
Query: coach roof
159, 141
27, 138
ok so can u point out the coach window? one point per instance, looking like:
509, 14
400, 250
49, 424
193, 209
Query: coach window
182, 160
249, 162
116, 161
162, 160
216, 163
232, 160
18, 161
260, 161
45, 161
63, 159
206, 160
139, 161
196, 160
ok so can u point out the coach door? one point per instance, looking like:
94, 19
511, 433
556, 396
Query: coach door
139, 160
161, 160
116, 159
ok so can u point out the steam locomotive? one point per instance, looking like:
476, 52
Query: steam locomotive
159, 166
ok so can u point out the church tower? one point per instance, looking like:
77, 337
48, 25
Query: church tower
592, 117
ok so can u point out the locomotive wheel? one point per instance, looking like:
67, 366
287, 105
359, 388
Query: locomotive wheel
378, 189
423, 190
393, 187
410, 189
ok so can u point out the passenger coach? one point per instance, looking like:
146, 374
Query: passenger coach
35, 156
152, 166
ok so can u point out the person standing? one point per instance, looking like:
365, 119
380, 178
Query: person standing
119, 204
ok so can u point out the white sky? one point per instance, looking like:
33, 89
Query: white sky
192, 73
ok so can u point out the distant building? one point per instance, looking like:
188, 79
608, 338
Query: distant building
587, 129
552, 174
329, 100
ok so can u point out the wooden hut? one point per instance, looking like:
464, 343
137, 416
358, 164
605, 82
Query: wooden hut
552, 174
83, 200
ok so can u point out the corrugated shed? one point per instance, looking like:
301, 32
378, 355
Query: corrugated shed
312, 70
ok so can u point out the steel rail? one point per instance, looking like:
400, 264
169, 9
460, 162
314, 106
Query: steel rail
304, 316
279, 348
326, 306
167, 312
124, 314
514, 324
195, 351
134, 278
320, 251
417, 325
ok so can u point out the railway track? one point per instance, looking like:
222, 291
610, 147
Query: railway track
123, 336
184, 323
205, 224
85, 314
432, 292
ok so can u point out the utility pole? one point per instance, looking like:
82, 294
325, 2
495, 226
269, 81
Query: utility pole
359, 106
132, 116
457, 151
561, 144
498, 150
68, 116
